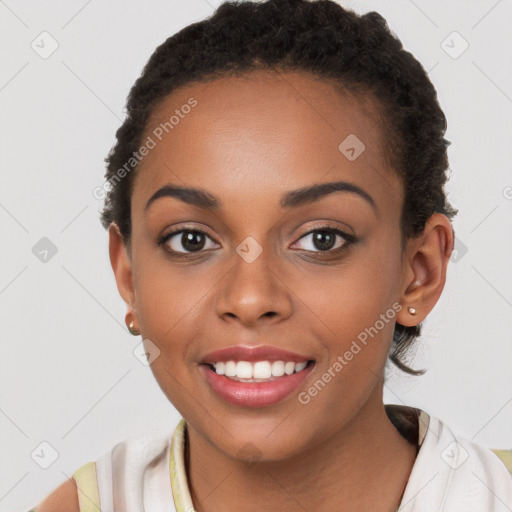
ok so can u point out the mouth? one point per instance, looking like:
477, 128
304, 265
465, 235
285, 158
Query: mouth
257, 383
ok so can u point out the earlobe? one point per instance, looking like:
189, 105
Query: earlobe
121, 265
426, 261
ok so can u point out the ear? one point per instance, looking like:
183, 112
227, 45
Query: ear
121, 264
424, 273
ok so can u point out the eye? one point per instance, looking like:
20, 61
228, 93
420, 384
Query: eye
323, 239
192, 240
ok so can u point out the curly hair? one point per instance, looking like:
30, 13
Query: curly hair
357, 52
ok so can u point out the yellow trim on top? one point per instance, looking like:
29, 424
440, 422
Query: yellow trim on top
179, 484
506, 458
87, 486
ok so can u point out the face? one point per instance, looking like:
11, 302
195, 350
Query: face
258, 266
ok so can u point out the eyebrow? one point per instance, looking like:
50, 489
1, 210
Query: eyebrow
292, 199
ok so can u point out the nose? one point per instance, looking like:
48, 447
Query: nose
254, 292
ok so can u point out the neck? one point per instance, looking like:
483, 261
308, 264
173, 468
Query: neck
363, 466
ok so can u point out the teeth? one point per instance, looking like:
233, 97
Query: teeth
278, 368
220, 368
300, 366
259, 370
289, 368
243, 370
230, 369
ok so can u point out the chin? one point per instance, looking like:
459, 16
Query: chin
262, 447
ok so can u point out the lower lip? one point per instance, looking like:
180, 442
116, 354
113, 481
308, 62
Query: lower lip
254, 394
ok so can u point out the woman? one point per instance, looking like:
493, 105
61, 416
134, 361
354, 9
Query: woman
278, 230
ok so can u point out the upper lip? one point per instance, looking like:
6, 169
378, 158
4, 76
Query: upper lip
252, 354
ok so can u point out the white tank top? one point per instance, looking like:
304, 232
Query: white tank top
147, 474
141, 473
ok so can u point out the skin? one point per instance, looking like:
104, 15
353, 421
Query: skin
64, 497
248, 141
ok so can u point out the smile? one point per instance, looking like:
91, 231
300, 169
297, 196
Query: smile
254, 376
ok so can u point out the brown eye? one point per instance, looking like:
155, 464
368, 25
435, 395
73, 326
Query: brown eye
325, 239
191, 240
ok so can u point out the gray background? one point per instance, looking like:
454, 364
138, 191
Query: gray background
68, 373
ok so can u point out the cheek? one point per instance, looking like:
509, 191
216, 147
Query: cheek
354, 315
348, 310
356, 341
355, 304
166, 292
167, 308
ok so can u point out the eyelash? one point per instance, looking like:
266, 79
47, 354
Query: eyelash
349, 239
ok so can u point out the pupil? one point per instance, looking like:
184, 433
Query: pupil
319, 239
190, 241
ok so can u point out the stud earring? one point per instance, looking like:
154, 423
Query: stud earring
132, 330
411, 310
131, 325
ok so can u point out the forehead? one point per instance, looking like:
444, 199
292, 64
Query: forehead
258, 135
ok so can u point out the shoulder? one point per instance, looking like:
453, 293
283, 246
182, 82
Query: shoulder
79, 491
454, 473
459, 452
133, 467
477, 473
64, 497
